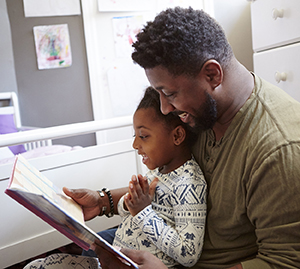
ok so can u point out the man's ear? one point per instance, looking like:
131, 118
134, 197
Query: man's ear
179, 135
213, 72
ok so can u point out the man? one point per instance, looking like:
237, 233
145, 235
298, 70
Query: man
248, 145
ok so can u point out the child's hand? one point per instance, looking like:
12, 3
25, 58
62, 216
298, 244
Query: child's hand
140, 194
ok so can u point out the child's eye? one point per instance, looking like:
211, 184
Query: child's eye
141, 136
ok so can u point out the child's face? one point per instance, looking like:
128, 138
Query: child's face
153, 140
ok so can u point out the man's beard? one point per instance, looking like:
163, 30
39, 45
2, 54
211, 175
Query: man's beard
206, 115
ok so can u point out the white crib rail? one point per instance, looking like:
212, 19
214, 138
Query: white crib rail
63, 131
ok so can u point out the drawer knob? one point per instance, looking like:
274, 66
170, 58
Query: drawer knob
280, 76
277, 13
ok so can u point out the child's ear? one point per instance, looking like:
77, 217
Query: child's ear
179, 135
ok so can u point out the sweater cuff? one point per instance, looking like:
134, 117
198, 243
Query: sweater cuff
121, 210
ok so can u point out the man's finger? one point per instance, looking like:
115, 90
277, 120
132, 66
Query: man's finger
108, 260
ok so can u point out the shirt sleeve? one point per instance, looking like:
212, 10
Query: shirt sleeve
259, 263
184, 242
273, 205
121, 210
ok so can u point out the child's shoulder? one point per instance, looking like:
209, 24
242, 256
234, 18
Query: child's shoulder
191, 164
188, 172
192, 170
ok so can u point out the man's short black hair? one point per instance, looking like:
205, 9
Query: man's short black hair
181, 40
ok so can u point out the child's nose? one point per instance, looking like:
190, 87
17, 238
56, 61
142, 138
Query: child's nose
135, 144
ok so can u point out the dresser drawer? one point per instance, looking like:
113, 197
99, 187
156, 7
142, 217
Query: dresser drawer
274, 23
280, 63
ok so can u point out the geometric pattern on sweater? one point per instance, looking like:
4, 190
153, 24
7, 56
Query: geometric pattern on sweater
63, 261
172, 227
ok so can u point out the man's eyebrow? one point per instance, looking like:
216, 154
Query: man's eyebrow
159, 88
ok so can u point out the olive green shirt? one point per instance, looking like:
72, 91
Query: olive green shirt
253, 177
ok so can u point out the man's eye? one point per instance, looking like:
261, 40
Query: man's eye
143, 136
166, 94
169, 95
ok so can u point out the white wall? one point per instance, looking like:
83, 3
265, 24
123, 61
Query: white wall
234, 16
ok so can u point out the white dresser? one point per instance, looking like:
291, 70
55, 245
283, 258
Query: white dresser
276, 43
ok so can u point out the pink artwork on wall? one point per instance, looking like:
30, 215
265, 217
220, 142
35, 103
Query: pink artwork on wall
53, 47
125, 30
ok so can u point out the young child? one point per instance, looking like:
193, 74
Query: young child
171, 224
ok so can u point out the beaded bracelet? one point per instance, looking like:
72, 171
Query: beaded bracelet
111, 202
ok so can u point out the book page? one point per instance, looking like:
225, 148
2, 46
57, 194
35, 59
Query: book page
28, 179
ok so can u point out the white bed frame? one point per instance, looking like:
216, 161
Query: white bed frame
12, 107
23, 235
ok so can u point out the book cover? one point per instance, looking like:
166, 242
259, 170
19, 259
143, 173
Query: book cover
34, 191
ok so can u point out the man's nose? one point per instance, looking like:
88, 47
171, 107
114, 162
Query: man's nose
165, 106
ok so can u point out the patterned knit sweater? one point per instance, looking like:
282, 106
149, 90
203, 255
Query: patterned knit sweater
172, 227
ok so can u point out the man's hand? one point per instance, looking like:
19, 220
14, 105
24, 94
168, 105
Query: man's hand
140, 194
144, 259
89, 200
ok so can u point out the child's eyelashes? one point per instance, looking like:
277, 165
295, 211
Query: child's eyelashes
141, 136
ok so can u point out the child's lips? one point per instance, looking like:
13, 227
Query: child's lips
145, 158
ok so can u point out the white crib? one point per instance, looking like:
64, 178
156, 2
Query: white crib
9, 105
23, 235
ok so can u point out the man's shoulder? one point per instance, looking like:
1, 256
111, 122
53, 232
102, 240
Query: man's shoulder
275, 110
273, 97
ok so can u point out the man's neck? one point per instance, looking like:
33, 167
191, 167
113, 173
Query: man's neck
239, 86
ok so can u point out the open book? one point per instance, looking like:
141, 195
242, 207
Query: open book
38, 194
